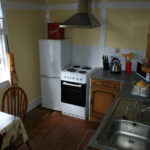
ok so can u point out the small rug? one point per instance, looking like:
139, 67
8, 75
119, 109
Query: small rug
84, 141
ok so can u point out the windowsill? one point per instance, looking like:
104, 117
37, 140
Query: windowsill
4, 84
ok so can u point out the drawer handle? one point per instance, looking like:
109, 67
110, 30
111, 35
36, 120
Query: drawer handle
105, 84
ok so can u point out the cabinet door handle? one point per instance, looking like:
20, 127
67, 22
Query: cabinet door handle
104, 84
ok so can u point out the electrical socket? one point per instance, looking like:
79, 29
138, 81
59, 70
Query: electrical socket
117, 50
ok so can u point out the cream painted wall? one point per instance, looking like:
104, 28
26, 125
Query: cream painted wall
67, 1
88, 37
127, 0
127, 28
60, 15
62, 1
79, 36
30, 1
124, 28
25, 28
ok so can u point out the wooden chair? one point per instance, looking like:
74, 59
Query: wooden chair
15, 102
1, 139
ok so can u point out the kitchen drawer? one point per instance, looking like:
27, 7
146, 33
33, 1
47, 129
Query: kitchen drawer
110, 85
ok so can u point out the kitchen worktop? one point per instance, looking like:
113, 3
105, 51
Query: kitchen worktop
107, 75
124, 92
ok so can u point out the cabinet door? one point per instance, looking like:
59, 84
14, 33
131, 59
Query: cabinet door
101, 100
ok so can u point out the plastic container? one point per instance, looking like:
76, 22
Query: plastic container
128, 67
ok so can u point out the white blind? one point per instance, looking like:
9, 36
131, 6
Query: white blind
3, 59
1, 13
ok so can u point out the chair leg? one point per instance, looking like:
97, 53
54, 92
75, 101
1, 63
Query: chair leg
12, 147
29, 146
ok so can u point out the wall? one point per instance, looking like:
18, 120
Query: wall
127, 26
124, 25
25, 28
29, 1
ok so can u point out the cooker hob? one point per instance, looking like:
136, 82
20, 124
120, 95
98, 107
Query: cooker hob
76, 73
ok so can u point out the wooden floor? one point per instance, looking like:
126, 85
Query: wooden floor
50, 130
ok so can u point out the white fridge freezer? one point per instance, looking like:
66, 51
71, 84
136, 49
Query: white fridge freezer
55, 55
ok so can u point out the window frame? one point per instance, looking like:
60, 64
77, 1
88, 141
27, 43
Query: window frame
4, 31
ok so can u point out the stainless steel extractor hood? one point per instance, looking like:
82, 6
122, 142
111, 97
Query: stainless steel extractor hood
83, 17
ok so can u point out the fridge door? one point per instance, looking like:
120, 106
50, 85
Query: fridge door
51, 93
50, 58
55, 55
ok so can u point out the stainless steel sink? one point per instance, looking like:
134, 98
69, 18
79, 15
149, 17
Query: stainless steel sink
127, 135
128, 127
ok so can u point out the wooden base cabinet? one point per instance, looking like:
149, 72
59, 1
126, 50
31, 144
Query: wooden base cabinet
102, 95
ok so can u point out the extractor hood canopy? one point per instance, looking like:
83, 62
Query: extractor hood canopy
83, 17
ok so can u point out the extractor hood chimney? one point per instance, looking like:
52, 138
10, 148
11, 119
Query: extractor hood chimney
83, 18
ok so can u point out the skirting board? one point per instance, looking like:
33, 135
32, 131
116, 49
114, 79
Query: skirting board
34, 104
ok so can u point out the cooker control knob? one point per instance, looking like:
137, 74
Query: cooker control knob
73, 78
77, 79
80, 79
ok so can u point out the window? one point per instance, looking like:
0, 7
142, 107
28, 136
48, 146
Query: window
4, 73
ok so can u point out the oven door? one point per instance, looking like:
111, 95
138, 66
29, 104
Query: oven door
73, 93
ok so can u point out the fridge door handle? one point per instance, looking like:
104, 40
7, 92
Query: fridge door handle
45, 76
51, 54
75, 85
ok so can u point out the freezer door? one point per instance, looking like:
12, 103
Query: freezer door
50, 58
51, 93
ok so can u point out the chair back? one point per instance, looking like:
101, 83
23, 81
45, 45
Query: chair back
15, 101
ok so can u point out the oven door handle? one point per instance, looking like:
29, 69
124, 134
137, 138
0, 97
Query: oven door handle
75, 85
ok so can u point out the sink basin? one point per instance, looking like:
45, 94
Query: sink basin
127, 135
128, 126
